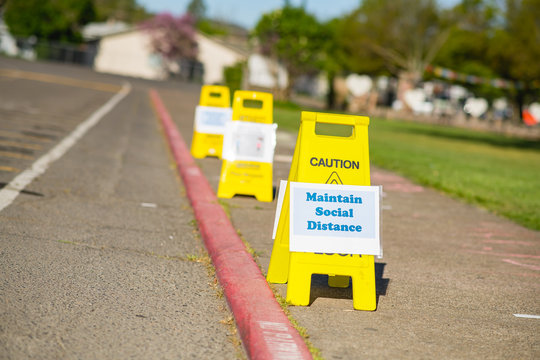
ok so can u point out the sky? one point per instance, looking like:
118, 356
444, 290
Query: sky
246, 13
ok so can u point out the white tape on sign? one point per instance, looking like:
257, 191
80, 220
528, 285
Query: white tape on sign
212, 120
249, 141
281, 195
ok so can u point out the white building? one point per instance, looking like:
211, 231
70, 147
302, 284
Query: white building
215, 55
129, 53
8, 45
93, 31
265, 73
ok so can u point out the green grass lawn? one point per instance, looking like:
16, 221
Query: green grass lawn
499, 173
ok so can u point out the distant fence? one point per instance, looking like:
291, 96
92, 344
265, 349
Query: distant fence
80, 54
189, 70
83, 54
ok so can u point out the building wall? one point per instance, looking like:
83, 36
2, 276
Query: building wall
215, 57
264, 73
7, 42
129, 54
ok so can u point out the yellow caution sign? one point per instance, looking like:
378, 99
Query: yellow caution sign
211, 116
248, 147
330, 149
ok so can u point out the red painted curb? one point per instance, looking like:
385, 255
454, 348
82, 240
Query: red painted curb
263, 326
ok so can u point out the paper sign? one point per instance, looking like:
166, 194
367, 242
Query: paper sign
249, 141
281, 195
329, 218
212, 120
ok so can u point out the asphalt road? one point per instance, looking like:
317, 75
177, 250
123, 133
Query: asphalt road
99, 256
95, 253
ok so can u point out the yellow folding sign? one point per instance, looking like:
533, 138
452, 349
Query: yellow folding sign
211, 116
248, 147
330, 149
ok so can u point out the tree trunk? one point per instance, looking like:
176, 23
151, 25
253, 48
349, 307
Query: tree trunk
288, 89
273, 67
331, 95
520, 102
407, 80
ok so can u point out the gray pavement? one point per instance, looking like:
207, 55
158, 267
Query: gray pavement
100, 257
450, 282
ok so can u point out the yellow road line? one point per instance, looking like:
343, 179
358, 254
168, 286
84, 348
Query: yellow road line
15, 155
16, 135
62, 80
19, 145
9, 168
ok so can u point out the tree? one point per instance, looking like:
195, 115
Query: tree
404, 36
121, 10
469, 39
293, 38
515, 49
334, 60
197, 9
469, 42
59, 20
173, 37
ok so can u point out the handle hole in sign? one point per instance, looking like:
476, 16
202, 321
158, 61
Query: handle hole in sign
338, 130
253, 104
215, 94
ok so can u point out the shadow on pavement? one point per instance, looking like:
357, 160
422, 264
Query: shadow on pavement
320, 288
27, 192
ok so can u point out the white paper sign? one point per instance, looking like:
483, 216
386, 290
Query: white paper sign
281, 195
534, 109
358, 85
212, 120
249, 141
475, 106
329, 218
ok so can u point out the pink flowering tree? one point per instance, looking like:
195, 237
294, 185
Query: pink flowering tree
172, 37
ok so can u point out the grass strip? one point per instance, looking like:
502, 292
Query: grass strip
496, 172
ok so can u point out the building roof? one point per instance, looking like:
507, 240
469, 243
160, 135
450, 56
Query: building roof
93, 31
237, 45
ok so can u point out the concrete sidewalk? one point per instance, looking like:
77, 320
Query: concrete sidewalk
451, 281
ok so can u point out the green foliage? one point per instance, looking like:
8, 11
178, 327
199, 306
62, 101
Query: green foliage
62, 20
233, 76
496, 40
463, 46
197, 9
121, 10
293, 37
493, 171
399, 35
209, 27
478, 68
486, 38
515, 47
59, 20
334, 58
469, 42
